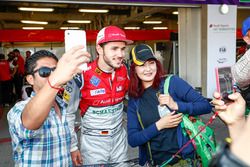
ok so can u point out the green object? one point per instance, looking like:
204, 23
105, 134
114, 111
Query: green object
244, 0
204, 143
247, 111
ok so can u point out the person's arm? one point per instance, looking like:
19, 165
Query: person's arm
136, 135
34, 116
189, 101
241, 70
240, 148
224, 158
38, 108
239, 129
16, 125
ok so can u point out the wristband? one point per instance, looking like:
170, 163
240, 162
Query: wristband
53, 87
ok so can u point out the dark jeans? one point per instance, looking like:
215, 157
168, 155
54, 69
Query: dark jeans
18, 82
7, 92
1, 93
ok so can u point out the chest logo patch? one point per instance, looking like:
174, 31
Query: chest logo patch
119, 88
97, 92
95, 81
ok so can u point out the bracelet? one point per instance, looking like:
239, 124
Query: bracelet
53, 87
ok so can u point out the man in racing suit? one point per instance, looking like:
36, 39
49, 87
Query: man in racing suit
103, 138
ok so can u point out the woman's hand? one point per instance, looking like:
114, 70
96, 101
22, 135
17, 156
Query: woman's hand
170, 120
168, 100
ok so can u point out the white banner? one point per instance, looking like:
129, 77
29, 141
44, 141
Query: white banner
221, 42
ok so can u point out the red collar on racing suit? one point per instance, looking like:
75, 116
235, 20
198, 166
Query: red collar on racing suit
100, 90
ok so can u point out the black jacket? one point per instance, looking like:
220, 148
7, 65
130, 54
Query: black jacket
225, 158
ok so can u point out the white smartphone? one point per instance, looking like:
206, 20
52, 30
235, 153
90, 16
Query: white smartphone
73, 38
163, 110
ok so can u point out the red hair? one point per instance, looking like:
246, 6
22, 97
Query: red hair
136, 88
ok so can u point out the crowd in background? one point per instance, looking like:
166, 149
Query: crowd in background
11, 78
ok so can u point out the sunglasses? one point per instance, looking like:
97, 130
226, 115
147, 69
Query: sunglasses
44, 71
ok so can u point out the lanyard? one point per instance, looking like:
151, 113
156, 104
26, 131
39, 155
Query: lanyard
211, 119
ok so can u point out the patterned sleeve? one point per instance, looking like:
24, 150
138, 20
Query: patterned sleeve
16, 127
189, 100
241, 70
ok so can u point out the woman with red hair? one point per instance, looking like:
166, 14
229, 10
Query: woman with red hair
153, 121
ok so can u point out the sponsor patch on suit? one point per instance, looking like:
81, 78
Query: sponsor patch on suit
119, 88
95, 81
97, 92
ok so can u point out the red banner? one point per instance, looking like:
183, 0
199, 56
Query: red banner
58, 35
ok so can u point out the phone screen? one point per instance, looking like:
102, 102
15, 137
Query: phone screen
224, 82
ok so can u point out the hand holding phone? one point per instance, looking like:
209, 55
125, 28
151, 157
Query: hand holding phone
73, 38
224, 82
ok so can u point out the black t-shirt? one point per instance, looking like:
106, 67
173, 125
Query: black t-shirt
164, 145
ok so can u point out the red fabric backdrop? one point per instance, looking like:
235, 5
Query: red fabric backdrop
58, 35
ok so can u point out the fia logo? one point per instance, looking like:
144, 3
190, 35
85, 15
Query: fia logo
223, 49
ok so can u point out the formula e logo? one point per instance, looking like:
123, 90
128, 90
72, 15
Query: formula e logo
94, 81
97, 92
